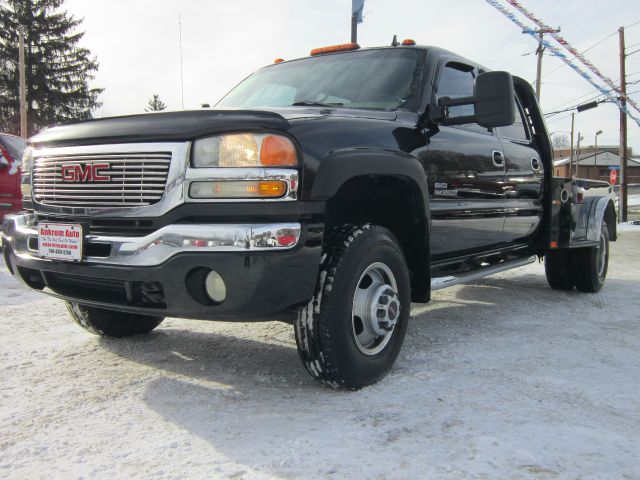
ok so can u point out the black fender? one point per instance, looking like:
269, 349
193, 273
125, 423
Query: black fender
593, 211
602, 209
341, 166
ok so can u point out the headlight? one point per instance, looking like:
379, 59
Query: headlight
27, 163
244, 150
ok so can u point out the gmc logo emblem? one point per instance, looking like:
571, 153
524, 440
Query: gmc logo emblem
89, 172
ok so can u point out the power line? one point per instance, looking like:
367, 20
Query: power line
584, 51
578, 98
586, 105
558, 119
591, 92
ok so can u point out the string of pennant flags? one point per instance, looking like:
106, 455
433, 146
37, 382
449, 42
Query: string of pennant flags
562, 41
562, 56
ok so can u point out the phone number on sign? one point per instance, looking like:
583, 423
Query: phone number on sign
58, 251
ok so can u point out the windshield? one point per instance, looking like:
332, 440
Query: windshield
378, 79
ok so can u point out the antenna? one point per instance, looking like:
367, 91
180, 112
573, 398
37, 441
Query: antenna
395, 42
181, 76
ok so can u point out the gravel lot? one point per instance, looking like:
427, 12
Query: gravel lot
503, 378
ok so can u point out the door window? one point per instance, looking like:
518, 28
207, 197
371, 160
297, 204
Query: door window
518, 130
457, 80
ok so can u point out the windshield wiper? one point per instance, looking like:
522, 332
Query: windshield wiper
310, 103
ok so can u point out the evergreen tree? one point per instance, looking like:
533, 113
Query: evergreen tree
57, 69
155, 104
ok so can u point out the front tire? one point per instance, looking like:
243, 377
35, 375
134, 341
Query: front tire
350, 333
110, 323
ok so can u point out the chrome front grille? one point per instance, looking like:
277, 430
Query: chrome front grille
106, 180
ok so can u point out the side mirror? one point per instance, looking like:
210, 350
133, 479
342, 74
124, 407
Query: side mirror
493, 101
3, 161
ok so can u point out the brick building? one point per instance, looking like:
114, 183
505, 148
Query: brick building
597, 167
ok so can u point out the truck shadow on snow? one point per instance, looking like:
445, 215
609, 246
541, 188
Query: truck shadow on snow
253, 401
245, 364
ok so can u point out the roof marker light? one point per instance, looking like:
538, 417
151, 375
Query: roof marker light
335, 48
278, 60
408, 42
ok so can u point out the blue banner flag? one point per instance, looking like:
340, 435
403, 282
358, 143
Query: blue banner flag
356, 9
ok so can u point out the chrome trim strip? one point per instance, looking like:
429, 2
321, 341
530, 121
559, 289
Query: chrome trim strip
164, 243
287, 175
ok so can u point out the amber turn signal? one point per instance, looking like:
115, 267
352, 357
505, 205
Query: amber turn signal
408, 42
271, 188
278, 151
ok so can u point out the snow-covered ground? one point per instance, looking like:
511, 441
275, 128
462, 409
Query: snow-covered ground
628, 227
503, 378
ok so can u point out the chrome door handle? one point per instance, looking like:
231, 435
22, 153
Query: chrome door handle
535, 164
498, 158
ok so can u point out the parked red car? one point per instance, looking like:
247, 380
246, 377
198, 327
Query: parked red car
11, 148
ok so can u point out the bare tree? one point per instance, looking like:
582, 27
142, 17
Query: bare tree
560, 142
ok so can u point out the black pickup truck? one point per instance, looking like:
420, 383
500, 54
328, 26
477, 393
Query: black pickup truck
329, 191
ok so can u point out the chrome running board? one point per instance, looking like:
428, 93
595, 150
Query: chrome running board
444, 282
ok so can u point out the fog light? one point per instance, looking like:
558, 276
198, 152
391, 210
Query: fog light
215, 287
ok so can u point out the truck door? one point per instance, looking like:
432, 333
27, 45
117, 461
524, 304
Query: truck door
466, 170
525, 175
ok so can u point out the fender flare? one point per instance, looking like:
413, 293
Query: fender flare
602, 209
342, 165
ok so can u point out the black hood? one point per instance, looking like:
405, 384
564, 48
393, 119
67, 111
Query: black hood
159, 127
188, 125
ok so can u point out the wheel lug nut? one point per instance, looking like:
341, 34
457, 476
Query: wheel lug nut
385, 326
381, 313
383, 300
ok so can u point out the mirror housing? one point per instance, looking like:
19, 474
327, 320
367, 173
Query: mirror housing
3, 161
493, 100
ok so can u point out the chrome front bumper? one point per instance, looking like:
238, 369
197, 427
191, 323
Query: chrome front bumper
21, 234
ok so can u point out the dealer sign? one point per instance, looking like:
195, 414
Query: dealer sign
60, 241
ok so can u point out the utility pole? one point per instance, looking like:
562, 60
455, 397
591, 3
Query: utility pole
573, 122
23, 87
539, 53
580, 137
623, 128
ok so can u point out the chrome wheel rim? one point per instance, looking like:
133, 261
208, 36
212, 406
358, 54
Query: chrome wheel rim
602, 255
376, 309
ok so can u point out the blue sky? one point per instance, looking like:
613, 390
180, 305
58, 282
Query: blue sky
136, 42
